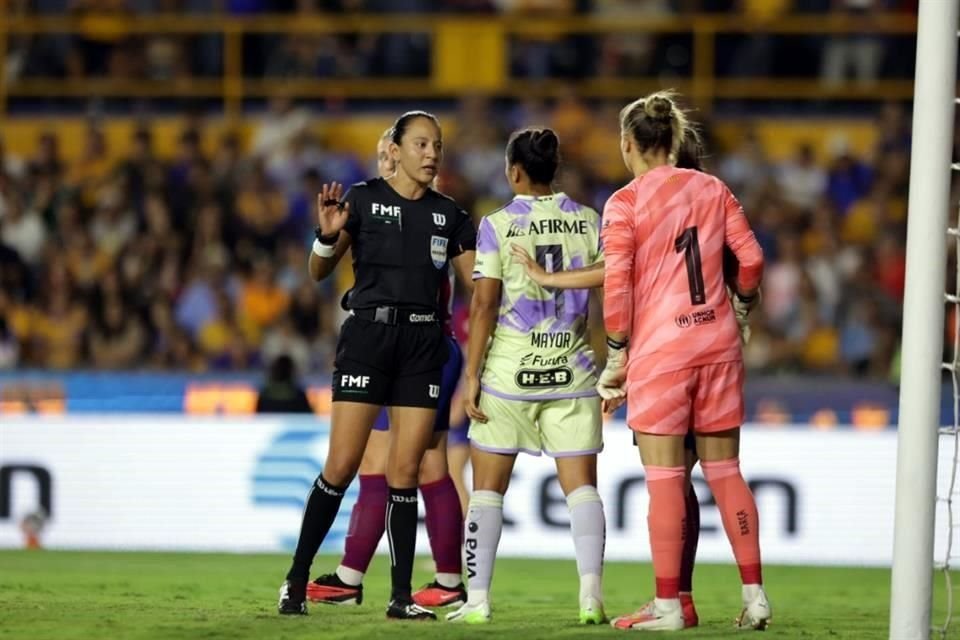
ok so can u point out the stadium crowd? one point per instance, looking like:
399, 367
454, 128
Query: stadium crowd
197, 261
103, 47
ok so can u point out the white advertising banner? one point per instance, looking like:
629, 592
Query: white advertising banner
157, 482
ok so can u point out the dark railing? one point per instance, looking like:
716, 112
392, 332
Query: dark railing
470, 55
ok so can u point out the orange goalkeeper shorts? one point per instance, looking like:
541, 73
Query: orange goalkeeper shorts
706, 398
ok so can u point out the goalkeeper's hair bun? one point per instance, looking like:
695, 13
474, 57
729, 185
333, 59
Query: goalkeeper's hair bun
656, 122
537, 151
658, 107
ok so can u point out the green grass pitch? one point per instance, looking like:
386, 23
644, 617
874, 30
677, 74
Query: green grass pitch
64, 595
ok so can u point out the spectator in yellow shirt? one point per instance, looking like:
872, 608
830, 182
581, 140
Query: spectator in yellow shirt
261, 298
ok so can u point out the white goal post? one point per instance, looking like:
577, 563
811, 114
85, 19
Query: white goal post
923, 315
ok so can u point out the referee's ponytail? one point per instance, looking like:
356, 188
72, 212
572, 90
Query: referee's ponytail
537, 151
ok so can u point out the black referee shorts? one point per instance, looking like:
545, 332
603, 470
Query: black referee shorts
392, 365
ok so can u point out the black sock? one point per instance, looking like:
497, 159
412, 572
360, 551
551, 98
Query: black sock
323, 502
402, 537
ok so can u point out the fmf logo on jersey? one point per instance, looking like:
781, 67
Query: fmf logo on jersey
354, 384
385, 212
439, 219
438, 251
285, 473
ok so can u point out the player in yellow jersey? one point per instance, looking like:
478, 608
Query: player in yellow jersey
535, 391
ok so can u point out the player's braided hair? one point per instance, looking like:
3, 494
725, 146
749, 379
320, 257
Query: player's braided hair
656, 122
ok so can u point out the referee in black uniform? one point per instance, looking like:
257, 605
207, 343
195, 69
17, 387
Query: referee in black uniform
391, 350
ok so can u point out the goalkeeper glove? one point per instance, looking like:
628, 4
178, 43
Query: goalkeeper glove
742, 306
612, 382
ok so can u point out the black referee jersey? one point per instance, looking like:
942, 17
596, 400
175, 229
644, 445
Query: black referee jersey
401, 247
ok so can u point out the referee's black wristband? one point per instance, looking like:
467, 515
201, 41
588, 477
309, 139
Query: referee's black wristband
614, 344
328, 240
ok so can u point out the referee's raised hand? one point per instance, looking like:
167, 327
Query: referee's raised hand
332, 213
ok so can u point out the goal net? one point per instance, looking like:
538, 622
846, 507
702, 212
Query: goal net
947, 519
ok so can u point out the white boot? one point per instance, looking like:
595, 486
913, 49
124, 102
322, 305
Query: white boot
477, 613
756, 613
660, 615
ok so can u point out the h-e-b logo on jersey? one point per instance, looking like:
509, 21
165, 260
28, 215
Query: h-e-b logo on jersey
529, 379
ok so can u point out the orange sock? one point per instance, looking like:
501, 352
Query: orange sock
739, 513
665, 522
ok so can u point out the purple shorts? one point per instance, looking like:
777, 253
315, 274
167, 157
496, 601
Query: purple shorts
448, 385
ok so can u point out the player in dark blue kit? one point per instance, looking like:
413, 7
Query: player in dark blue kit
392, 349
